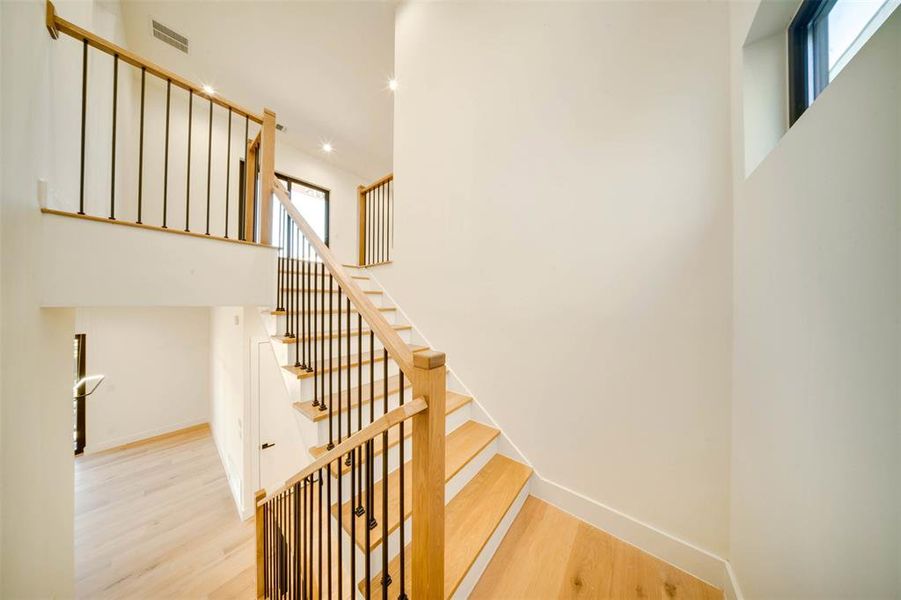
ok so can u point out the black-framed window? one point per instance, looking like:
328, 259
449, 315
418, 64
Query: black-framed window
312, 201
822, 38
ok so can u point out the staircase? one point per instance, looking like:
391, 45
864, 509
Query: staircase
341, 379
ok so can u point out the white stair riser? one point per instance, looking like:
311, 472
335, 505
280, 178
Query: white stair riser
355, 343
308, 388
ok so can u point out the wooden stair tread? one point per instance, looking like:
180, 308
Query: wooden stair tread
463, 444
454, 402
470, 520
339, 402
334, 334
355, 360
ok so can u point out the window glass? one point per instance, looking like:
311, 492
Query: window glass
849, 21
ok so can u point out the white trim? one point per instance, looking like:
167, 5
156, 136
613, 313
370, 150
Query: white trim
143, 435
236, 493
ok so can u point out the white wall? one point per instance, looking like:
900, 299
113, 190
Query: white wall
86, 263
815, 429
228, 383
157, 372
36, 556
563, 233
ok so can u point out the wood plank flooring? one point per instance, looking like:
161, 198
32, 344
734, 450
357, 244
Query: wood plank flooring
157, 520
548, 553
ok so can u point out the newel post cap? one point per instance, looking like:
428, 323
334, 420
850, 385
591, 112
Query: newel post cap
428, 359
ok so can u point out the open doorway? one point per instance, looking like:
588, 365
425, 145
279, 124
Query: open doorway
79, 388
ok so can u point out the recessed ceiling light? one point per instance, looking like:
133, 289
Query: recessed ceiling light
327, 147
209, 90
392, 84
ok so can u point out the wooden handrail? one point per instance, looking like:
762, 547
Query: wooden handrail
377, 427
57, 25
368, 188
398, 349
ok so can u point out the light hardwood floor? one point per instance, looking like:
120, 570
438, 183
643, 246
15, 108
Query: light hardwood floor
157, 520
548, 553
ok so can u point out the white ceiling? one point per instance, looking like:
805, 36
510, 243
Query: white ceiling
321, 66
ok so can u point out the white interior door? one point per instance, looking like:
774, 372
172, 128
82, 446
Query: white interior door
278, 446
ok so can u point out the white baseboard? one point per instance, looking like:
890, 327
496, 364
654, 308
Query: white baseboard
682, 554
140, 436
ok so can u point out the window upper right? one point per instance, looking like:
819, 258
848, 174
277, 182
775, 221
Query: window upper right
822, 38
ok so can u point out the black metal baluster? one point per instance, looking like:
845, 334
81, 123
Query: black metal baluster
386, 578
303, 538
209, 165
166, 159
319, 540
266, 544
310, 314
310, 529
323, 405
360, 511
282, 260
371, 376
390, 217
381, 230
403, 545
228, 168
331, 331
289, 234
281, 540
317, 367
328, 526
112, 185
295, 563
84, 109
242, 193
371, 456
141, 146
353, 516
349, 388
188, 167
296, 292
340, 529
368, 529
339, 365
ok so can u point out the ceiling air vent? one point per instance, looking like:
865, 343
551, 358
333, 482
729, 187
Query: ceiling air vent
281, 127
163, 33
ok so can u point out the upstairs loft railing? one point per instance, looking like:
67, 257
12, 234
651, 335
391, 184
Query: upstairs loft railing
298, 556
376, 221
198, 170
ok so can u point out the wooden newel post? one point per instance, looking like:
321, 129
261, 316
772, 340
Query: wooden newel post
261, 589
249, 186
267, 175
429, 381
361, 211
